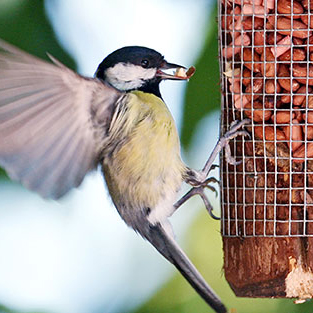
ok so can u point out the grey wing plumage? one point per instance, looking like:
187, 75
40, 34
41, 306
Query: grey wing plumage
52, 122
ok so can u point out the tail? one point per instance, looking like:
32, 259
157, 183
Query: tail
168, 247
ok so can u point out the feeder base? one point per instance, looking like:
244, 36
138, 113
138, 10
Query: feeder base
261, 267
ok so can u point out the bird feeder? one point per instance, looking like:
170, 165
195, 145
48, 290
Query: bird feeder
266, 50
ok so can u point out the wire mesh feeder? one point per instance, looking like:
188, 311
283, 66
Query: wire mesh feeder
266, 50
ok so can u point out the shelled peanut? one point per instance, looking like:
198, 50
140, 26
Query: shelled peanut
268, 49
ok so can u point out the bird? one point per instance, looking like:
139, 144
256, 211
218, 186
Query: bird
56, 126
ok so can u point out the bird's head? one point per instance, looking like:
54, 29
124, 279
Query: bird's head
139, 68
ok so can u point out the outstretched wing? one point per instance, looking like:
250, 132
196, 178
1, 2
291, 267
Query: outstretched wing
52, 122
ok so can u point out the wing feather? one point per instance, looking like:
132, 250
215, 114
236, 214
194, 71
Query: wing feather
53, 122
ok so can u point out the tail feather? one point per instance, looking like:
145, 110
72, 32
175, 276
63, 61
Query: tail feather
169, 248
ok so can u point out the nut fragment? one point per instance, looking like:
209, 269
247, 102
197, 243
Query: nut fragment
296, 135
300, 154
301, 95
305, 20
285, 7
298, 29
298, 54
287, 83
270, 87
247, 77
283, 117
300, 71
257, 113
254, 66
282, 46
234, 48
248, 22
252, 9
269, 68
308, 131
269, 132
180, 72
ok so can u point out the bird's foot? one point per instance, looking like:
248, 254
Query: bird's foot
199, 179
223, 143
232, 133
198, 189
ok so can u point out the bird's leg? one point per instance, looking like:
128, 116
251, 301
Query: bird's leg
200, 180
199, 190
223, 142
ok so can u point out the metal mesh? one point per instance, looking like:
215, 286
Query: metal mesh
266, 50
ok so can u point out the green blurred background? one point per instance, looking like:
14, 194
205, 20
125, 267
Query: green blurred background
25, 24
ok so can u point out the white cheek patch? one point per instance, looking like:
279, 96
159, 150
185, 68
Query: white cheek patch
124, 76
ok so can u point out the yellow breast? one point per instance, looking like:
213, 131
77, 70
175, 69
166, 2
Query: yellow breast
145, 167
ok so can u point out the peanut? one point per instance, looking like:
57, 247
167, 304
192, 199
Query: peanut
259, 42
285, 99
285, 6
258, 113
310, 103
301, 95
283, 117
308, 117
296, 135
309, 43
252, 9
307, 5
270, 87
300, 71
248, 22
299, 29
305, 20
257, 2
283, 71
241, 102
246, 80
269, 4
254, 66
257, 88
269, 132
298, 54
269, 69
271, 40
308, 131
298, 115
297, 41
235, 47
300, 152
282, 46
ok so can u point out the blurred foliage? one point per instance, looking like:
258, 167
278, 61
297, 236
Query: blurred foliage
4, 309
203, 91
24, 24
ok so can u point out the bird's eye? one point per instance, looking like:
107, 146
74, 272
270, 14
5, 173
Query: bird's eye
144, 63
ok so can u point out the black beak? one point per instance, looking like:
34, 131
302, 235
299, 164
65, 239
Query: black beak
179, 72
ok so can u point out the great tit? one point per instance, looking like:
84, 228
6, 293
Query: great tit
56, 126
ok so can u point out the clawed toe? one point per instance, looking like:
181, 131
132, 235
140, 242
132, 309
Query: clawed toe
208, 206
232, 133
235, 125
211, 180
